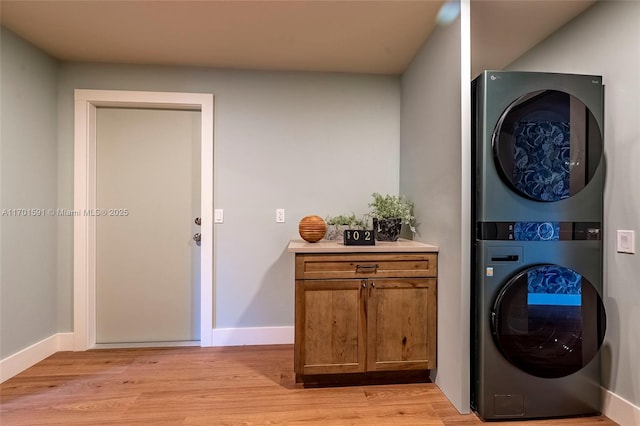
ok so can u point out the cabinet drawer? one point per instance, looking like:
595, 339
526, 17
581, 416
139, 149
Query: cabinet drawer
366, 265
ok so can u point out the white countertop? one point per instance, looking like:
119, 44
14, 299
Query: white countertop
325, 246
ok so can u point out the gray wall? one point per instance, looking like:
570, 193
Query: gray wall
605, 40
281, 140
28, 168
430, 174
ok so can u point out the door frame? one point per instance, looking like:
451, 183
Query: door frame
84, 189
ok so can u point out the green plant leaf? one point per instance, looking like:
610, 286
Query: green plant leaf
391, 206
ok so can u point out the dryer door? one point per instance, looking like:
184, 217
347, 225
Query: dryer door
547, 145
548, 321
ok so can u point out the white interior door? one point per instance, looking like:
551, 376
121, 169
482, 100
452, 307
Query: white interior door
147, 197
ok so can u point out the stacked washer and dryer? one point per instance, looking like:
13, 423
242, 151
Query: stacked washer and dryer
538, 320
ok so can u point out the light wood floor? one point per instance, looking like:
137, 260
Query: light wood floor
250, 385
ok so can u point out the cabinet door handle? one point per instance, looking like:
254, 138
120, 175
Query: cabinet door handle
373, 285
364, 283
366, 268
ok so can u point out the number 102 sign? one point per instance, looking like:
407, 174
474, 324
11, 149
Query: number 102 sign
359, 237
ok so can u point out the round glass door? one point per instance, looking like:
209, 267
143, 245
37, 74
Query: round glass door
547, 145
548, 321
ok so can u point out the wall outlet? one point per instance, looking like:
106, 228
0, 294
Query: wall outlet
626, 241
280, 215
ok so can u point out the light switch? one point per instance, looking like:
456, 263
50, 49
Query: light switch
218, 216
626, 241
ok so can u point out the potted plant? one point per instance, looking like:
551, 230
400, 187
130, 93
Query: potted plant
389, 213
336, 225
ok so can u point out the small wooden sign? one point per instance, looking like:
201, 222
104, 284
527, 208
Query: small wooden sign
359, 237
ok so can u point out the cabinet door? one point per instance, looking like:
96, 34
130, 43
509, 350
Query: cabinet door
401, 324
330, 326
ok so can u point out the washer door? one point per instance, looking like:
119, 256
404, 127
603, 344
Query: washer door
548, 321
547, 145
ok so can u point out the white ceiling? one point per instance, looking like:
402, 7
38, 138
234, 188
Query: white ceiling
360, 36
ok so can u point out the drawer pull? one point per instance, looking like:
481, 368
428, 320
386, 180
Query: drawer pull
367, 268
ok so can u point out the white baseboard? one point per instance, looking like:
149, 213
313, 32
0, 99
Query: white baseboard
20, 361
619, 409
252, 336
65, 341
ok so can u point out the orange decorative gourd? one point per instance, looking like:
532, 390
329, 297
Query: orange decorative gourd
312, 228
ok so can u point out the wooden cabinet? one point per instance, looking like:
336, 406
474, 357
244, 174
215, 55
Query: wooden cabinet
365, 312
330, 327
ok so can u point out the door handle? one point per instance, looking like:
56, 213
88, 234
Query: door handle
197, 237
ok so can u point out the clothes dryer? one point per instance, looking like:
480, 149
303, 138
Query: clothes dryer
537, 147
538, 320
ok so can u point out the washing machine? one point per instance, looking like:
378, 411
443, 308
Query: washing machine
538, 320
